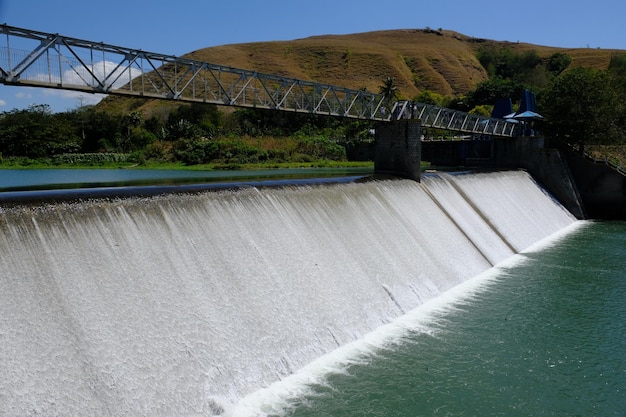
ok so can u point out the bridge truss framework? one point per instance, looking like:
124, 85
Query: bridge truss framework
38, 59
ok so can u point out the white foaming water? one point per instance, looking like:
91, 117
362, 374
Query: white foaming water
186, 304
282, 396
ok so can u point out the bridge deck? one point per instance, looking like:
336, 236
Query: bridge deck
38, 59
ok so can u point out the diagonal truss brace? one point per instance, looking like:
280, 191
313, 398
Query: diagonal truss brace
454, 120
55, 61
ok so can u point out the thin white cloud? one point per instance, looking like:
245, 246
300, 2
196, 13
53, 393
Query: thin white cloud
81, 77
2, 103
22, 95
79, 97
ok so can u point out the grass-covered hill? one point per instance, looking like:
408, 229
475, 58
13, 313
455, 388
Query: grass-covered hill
441, 61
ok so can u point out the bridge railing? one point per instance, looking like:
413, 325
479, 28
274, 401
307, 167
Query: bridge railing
454, 120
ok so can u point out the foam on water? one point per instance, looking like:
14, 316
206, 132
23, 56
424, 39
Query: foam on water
282, 396
192, 304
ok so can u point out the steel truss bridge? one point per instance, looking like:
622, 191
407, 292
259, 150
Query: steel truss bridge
36, 59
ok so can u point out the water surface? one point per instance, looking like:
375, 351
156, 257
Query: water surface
47, 179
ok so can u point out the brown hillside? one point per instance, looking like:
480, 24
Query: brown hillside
418, 59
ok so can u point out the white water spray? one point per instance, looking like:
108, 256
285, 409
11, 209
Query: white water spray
182, 304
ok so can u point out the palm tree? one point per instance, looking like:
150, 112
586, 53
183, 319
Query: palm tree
389, 90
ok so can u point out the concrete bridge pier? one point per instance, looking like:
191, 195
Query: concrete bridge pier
398, 148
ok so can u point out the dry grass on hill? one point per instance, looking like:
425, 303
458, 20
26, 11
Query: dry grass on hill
418, 59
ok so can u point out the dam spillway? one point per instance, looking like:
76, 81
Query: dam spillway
174, 304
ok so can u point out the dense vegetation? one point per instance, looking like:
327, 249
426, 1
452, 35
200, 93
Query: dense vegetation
190, 134
582, 104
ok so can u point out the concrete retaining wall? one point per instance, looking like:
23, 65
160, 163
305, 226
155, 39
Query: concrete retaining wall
455, 153
546, 165
602, 189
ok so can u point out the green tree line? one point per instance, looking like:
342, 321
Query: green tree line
191, 134
580, 105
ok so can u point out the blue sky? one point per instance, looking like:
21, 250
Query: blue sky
178, 27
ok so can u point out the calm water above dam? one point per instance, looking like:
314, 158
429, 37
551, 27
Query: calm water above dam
49, 179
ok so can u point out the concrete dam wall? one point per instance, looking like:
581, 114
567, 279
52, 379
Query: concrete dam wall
187, 304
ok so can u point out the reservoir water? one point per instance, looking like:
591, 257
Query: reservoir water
19, 180
371, 298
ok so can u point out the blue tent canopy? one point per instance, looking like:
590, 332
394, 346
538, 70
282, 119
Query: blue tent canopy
529, 102
527, 115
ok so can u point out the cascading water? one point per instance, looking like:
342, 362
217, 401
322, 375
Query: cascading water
182, 304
